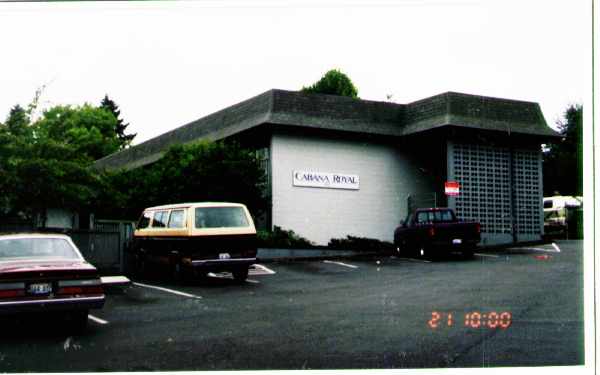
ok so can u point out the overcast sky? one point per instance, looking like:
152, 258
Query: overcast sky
168, 63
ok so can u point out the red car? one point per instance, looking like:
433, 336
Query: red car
46, 272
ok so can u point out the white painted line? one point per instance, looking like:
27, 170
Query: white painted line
96, 319
252, 281
220, 275
67, 343
416, 260
167, 290
340, 264
540, 249
487, 255
264, 269
556, 247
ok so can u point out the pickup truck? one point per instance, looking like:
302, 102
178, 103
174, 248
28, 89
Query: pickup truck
428, 232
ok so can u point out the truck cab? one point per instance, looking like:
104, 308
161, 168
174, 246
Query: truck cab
428, 232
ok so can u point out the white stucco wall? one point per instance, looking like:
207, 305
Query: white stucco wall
387, 177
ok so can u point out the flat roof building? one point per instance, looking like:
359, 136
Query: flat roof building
339, 166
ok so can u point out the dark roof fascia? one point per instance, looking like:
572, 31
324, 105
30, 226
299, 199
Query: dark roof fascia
216, 126
343, 114
332, 112
452, 109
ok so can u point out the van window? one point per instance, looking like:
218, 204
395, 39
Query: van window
548, 204
144, 220
176, 220
220, 217
160, 219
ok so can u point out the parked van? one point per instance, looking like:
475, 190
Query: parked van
563, 216
192, 239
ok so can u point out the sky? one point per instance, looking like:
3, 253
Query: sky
169, 63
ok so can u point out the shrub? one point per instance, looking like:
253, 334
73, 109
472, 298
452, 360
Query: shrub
280, 238
360, 244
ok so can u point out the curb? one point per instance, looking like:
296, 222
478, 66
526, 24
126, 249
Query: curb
313, 258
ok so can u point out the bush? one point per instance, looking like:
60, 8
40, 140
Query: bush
360, 244
280, 238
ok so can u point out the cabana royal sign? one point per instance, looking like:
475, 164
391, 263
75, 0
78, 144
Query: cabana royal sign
326, 180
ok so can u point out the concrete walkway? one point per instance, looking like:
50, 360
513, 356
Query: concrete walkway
275, 255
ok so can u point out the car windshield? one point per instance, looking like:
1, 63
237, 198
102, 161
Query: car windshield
220, 217
36, 248
435, 216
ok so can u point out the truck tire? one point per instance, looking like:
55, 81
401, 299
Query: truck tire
426, 253
402, 250
468, 254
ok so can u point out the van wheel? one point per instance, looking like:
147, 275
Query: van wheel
140, 267
177, 272
240, 275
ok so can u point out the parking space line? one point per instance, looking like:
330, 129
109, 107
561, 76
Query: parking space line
220, 275
264, 269
416, 260
487, 255
539, 249
96, 319
556, 247
340, 264
167, 290
252, 281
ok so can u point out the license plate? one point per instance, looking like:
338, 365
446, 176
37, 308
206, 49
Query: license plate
456, 241
40, 288
224, 256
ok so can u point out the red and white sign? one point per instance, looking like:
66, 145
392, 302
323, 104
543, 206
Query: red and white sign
452, 188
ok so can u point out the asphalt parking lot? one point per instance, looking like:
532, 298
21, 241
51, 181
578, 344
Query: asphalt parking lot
523, 307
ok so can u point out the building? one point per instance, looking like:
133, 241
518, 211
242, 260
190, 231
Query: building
339, 166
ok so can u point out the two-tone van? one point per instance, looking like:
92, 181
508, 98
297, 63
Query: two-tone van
192, 239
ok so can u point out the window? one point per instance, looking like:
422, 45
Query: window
23, 248
548, 204
176, 220
435, 216
160, 219
220, 217
144, 220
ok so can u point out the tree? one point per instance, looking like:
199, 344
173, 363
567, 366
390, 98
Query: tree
47, 164
563, 161
200, 171
333, 82
89, 130
125, 139
17, 122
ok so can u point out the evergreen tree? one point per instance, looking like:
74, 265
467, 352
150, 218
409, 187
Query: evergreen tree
333, 82
124, 139
563, 162
17, 122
